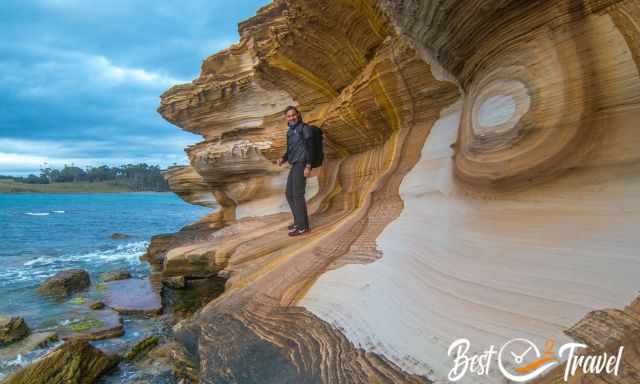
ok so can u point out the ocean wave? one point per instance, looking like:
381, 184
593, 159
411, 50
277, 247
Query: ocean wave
126, 252
37, 213
57, 211
19, 361
40, 260
68, 322
43, 267
22, 360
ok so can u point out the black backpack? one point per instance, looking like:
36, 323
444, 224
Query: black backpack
318, 146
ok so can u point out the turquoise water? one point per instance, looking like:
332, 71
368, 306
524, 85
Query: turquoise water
41, 234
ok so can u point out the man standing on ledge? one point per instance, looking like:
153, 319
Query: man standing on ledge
299, 154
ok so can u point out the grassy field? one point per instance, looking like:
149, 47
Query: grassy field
10, 186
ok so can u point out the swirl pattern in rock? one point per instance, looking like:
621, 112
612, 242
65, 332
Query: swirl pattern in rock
481, 180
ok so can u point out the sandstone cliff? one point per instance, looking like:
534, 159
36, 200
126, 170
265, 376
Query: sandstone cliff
481, 181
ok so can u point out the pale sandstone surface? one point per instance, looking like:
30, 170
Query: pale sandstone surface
481, 180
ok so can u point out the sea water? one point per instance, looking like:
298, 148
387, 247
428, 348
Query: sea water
41, 234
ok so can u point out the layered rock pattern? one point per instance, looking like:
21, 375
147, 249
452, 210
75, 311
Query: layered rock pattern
75, 362
481, 181
604, 331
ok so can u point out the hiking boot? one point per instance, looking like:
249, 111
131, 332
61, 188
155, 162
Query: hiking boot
299, 231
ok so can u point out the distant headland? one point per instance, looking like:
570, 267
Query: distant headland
124, 178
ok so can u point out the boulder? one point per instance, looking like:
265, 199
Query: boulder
121, 274
74, 362
65, 283
12, 329
119, 236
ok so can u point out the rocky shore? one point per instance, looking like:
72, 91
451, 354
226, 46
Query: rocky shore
98, 314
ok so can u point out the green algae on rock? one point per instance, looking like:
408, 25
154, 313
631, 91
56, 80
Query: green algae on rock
75, 362
142, 348
95, 325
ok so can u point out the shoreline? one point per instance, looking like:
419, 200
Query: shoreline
96, 254
69, 187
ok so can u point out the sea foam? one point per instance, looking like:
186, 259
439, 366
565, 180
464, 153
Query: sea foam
46, 266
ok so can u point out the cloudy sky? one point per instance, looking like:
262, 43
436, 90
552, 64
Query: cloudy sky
80, 80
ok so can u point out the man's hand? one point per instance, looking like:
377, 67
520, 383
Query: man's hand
307, 171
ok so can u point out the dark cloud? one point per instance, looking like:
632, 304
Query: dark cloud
88, 75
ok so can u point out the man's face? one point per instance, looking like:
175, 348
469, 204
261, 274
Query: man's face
292, 116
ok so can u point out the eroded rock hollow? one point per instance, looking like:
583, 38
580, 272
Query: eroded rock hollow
481, 181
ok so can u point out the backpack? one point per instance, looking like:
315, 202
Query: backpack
318, 146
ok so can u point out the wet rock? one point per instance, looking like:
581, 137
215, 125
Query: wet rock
133, 297
119, 236
30, 343
142, 348
115, 275
96, 325
94, 304
175, 282
158, 360
12, 329
75, 362
161, 352
65, 283
157, 248
196, 294
178, 358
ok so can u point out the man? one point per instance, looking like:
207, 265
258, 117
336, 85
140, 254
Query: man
299, 154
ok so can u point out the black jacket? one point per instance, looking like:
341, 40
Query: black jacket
299, 144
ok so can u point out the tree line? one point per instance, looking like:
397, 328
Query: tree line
138, 177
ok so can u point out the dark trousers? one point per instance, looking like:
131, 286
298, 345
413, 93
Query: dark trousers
296, 185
